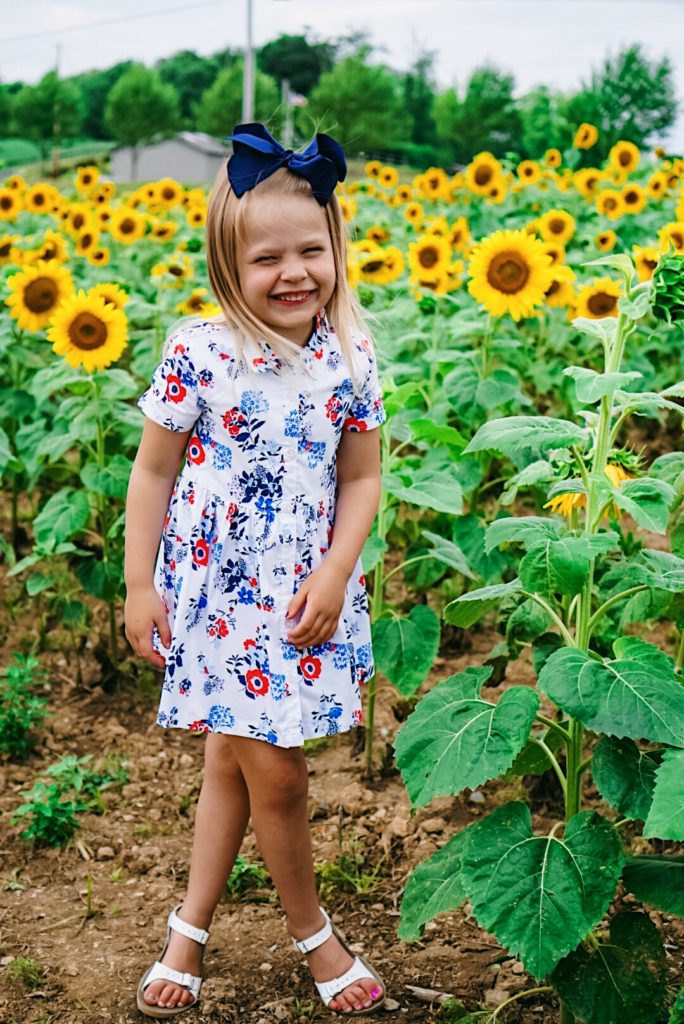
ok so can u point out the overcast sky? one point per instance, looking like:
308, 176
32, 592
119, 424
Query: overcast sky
555, 42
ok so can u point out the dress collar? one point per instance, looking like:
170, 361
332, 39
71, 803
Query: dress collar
311, 353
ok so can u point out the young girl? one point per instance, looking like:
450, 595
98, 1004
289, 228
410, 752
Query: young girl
254, 603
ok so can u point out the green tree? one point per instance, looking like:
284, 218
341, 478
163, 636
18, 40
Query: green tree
293, 57
419, 95
47, 112
191, 75
543, 127
360, 104
139, 109
94, 87
5, 111
628, 97
220, 107
486, 117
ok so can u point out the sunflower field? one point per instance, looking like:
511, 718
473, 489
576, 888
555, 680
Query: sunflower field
525, 570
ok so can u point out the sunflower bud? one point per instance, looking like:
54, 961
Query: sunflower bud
668, 289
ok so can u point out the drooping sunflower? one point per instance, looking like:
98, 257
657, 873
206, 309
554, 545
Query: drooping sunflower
167, 192
564, 504
587, 180
556, 250
605, 240
112, 294
557, 226
388, 177
10, 203
529, 171
174, 271
459, 234
553, 158
162, 230
39, 198
198, 303
509, 273
481, 173
126, 225
645, 260
598, 299
624, 156
378, 233
586, 136
634, 197
99, 257
672, 234
428, 257
560, 292
373, 168
87, 179
437, 226
37, 292
88, 332
610, 203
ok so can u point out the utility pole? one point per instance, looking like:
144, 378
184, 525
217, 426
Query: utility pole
248, 79
285, 100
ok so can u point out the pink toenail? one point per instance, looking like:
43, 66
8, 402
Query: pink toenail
376, 992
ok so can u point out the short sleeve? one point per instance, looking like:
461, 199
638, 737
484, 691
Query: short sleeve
172, 399
367, 410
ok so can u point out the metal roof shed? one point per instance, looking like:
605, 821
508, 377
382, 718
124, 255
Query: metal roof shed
187, 157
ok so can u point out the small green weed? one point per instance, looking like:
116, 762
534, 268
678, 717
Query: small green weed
316, 745
347, 873
246, 876
21, 709
28, 971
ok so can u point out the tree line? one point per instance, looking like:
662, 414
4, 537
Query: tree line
364, 102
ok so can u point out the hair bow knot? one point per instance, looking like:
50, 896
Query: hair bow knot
257, 155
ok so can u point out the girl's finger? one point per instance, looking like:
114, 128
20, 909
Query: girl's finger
305, 636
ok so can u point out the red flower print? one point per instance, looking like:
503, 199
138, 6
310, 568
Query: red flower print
362, 580
257, 682
223, 627
333, 407
351, 423
298, 568
311, 667
200, 554
198, 726
249, 643
179, 349
357, 717
252, 581
195, 452
175, 391
233, 421
318, 353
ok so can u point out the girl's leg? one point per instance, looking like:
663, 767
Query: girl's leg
220, 823
278, 782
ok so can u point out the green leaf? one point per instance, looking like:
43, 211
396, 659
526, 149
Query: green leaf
527, 530
543, 647
468, 608
405, 648
432, 888
670, 468
648, 501
635, 308
603, 329
616, 261
677, 1009
526, 622
625, 775
540, 895
553, 567
373, 552
454, 739
515, 435
39, 582
618, 698
621, 981
449, 553
396, 400
535, 473
635, 649
66, 513
644, 402
592, 387
666, 817
426, 430
441, 492
533, 759
658, 881
110, 480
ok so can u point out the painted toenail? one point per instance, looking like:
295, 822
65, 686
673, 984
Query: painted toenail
376, 992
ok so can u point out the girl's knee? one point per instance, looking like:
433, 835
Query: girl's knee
219, 757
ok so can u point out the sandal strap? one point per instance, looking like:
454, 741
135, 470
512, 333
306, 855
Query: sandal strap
358, 970
315, 940
189, 930
161, 972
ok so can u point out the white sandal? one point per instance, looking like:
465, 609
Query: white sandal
160, 972
327, 990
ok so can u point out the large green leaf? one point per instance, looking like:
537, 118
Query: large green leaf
658, 881
441, 492
666, 817
527, 530
540, 895
621, 982
648, 501
110, 480
468, 608
619, 698
554, 566
405, 648
625, 775
432, 888
444, 550
591, 386
515, 435
677, 1009
454, 739
66, 513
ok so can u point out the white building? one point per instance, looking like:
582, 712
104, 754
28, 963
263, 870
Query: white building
188, 157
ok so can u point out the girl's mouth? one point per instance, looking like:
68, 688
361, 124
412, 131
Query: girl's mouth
291, 298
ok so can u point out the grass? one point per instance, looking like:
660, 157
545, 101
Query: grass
28, 971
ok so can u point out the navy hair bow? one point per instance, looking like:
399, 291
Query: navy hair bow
257, 155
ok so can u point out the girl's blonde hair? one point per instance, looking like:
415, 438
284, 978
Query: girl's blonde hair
224, 232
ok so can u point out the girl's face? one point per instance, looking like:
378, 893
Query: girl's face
285, 263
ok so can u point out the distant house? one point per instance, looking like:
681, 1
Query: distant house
187, 157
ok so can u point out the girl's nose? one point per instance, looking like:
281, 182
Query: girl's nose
293, 271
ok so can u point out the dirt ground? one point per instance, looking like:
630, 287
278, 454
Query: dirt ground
136, 857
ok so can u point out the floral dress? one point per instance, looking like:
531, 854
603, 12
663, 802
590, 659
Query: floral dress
250, 517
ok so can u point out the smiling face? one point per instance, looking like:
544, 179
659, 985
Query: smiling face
285, 263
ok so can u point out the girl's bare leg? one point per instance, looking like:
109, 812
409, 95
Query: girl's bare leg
220, 823
278, 782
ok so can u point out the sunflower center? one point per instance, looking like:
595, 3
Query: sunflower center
41, 295
86, 240
602, 304
678, 239
555, 285
483, 175
87, 332
651, 264
6, 202
49, 252
609, 203
175, 270
557, 226
428, 257
195, 302
624, 158
168, 193
508, 272
631, 197
5, 249
78, 221
127, 226
38, 199
372, 266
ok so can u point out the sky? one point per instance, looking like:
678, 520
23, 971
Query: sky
551, 42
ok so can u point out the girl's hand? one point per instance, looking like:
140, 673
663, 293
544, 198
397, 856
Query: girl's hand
143, 610
322, 597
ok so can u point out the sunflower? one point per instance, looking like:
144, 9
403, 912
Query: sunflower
556, 251
126, 225
557, 226
376, 233
87, 241
353, 268
509, 273
560, 292
553, 158
104, 193
111, 293
88, 332
196, 216
373, 168
174, 271
167, 192
39, 198
414, 213
162, 230
634, 198
437, 226
586, 136
10, 203
459, 234
348, 207
196, 303
37, 293
103, 215
404, 193
610, 203
194, 197
435, 183
679, 211
529, 171
87, 179
388, 177
78, 217
587, 180
99, 257
497, 191
16, 183
481, 173
672, 234
8, 250
605, 240
624, 156
598, 299
645, 260
564, 504
428, 257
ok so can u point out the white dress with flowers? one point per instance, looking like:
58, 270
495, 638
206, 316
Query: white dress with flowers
250, 516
